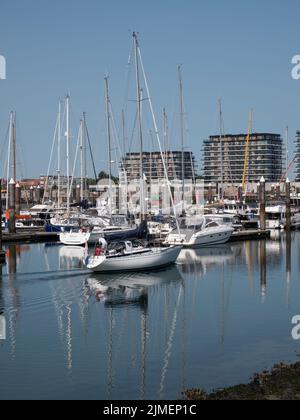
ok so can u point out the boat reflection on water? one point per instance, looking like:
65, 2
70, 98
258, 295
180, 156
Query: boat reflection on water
71, 257
120, 292
115, 294
143, 335
129, 288
198, 261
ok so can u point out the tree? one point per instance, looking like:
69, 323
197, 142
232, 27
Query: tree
104, 175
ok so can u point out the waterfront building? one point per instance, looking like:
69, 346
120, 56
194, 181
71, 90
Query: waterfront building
178, 165
224, 158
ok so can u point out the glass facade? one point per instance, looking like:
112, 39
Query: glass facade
225, 157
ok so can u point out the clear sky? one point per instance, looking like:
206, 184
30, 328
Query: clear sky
240, 51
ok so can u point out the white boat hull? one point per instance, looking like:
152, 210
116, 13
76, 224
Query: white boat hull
74, 238
153, 259
203, 238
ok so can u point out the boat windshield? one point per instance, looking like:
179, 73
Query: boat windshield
191, 223
119, 220
122, 245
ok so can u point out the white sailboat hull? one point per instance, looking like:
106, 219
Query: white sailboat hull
153, 259
74, 238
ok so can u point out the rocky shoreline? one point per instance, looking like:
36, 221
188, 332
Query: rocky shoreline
281, 383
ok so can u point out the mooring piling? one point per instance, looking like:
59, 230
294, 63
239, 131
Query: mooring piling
262, 204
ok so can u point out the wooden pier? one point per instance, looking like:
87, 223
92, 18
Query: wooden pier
30, 236
35, 236
250, 235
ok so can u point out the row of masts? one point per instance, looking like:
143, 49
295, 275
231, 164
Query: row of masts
139, 112
63, 136
63, 122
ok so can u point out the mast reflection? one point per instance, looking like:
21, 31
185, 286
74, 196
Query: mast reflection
263, 269
120, 294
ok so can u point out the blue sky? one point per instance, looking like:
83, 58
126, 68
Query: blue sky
240, 51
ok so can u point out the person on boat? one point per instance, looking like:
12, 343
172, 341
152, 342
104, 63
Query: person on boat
98, 251
101, 247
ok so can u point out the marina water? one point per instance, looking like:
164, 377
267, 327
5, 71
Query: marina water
213, 320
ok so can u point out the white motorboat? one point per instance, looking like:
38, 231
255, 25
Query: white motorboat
42, 211
198, 232
225, 219
132, 256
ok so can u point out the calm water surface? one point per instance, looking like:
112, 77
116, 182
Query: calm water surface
222, 314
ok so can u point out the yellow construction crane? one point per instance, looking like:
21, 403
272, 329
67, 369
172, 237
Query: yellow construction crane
247, 150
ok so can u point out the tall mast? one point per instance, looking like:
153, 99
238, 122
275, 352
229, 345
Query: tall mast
287, 148
123, 161
10, 135
14, 133
123, 133
182, 134
59, 156
166, 136
221, 196
84, 156
109, 141
68, 150
139, 120
81, 158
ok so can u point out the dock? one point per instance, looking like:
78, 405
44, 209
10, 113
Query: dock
237, 236
30, 236
41, 236
250, 235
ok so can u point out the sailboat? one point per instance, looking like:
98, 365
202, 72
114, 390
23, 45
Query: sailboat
127, 255
132, 256
118, 229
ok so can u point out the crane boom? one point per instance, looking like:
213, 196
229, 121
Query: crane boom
247, 150
284, 175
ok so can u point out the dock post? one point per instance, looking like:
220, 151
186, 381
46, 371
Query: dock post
288, 203
31, 198
210, 195
262, 204
12, 206
18, 198
240, 193
278, 193
78, 194
38, 195
273, 191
